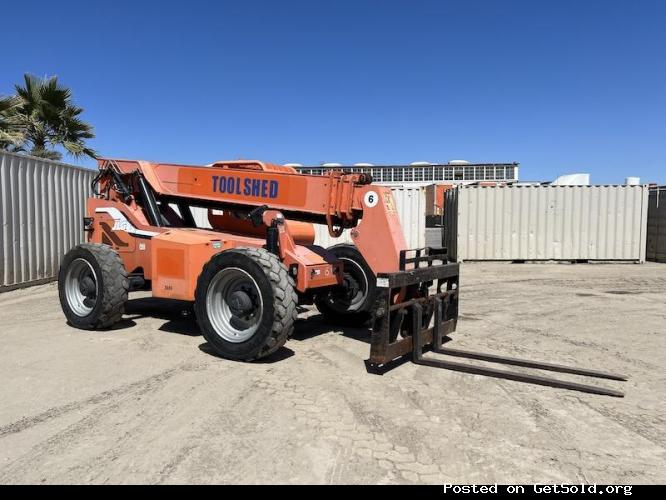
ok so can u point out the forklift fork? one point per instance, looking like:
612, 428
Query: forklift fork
441, 310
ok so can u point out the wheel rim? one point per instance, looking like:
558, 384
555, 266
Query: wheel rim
344, 301
234, 305
81, 287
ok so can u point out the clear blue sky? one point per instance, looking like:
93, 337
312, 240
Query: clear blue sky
560, 86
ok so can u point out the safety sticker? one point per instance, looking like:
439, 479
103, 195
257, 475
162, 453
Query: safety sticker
390, 204
371, 199
382, 283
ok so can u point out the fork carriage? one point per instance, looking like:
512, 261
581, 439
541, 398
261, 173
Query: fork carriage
396, 321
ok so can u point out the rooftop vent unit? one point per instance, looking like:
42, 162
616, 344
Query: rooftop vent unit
572, 180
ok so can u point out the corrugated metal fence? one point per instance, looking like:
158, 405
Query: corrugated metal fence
656, 231
41, 209
547, 223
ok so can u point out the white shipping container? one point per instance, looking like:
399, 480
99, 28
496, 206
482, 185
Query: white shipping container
547, 223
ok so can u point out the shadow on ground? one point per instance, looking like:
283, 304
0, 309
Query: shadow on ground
180, 319
281, 354
315, 325
179, 315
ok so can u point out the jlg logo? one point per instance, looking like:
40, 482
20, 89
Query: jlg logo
247, 187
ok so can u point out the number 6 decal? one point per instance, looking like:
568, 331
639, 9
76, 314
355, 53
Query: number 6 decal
370, 199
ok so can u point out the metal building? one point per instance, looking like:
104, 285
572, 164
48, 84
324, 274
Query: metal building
452, 172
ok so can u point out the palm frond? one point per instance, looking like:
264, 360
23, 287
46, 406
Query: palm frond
8, 104
47, 116
49, 154
11, 133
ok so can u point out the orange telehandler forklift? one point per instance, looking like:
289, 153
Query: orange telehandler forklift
247, 273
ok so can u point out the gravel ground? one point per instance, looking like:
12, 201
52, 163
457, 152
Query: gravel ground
148, 403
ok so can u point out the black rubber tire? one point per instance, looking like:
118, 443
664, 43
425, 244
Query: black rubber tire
112, 285
364, 315
279, 298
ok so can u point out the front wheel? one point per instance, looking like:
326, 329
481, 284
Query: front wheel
245, 303
352, 303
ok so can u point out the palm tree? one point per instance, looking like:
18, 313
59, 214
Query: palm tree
11, 136
47, 118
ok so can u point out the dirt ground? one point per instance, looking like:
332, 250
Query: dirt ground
148, 403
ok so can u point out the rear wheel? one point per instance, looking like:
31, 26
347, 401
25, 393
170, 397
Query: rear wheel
351, 303
92, 285
245, 303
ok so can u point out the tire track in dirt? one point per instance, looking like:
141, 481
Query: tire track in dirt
28, 422
83, 433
